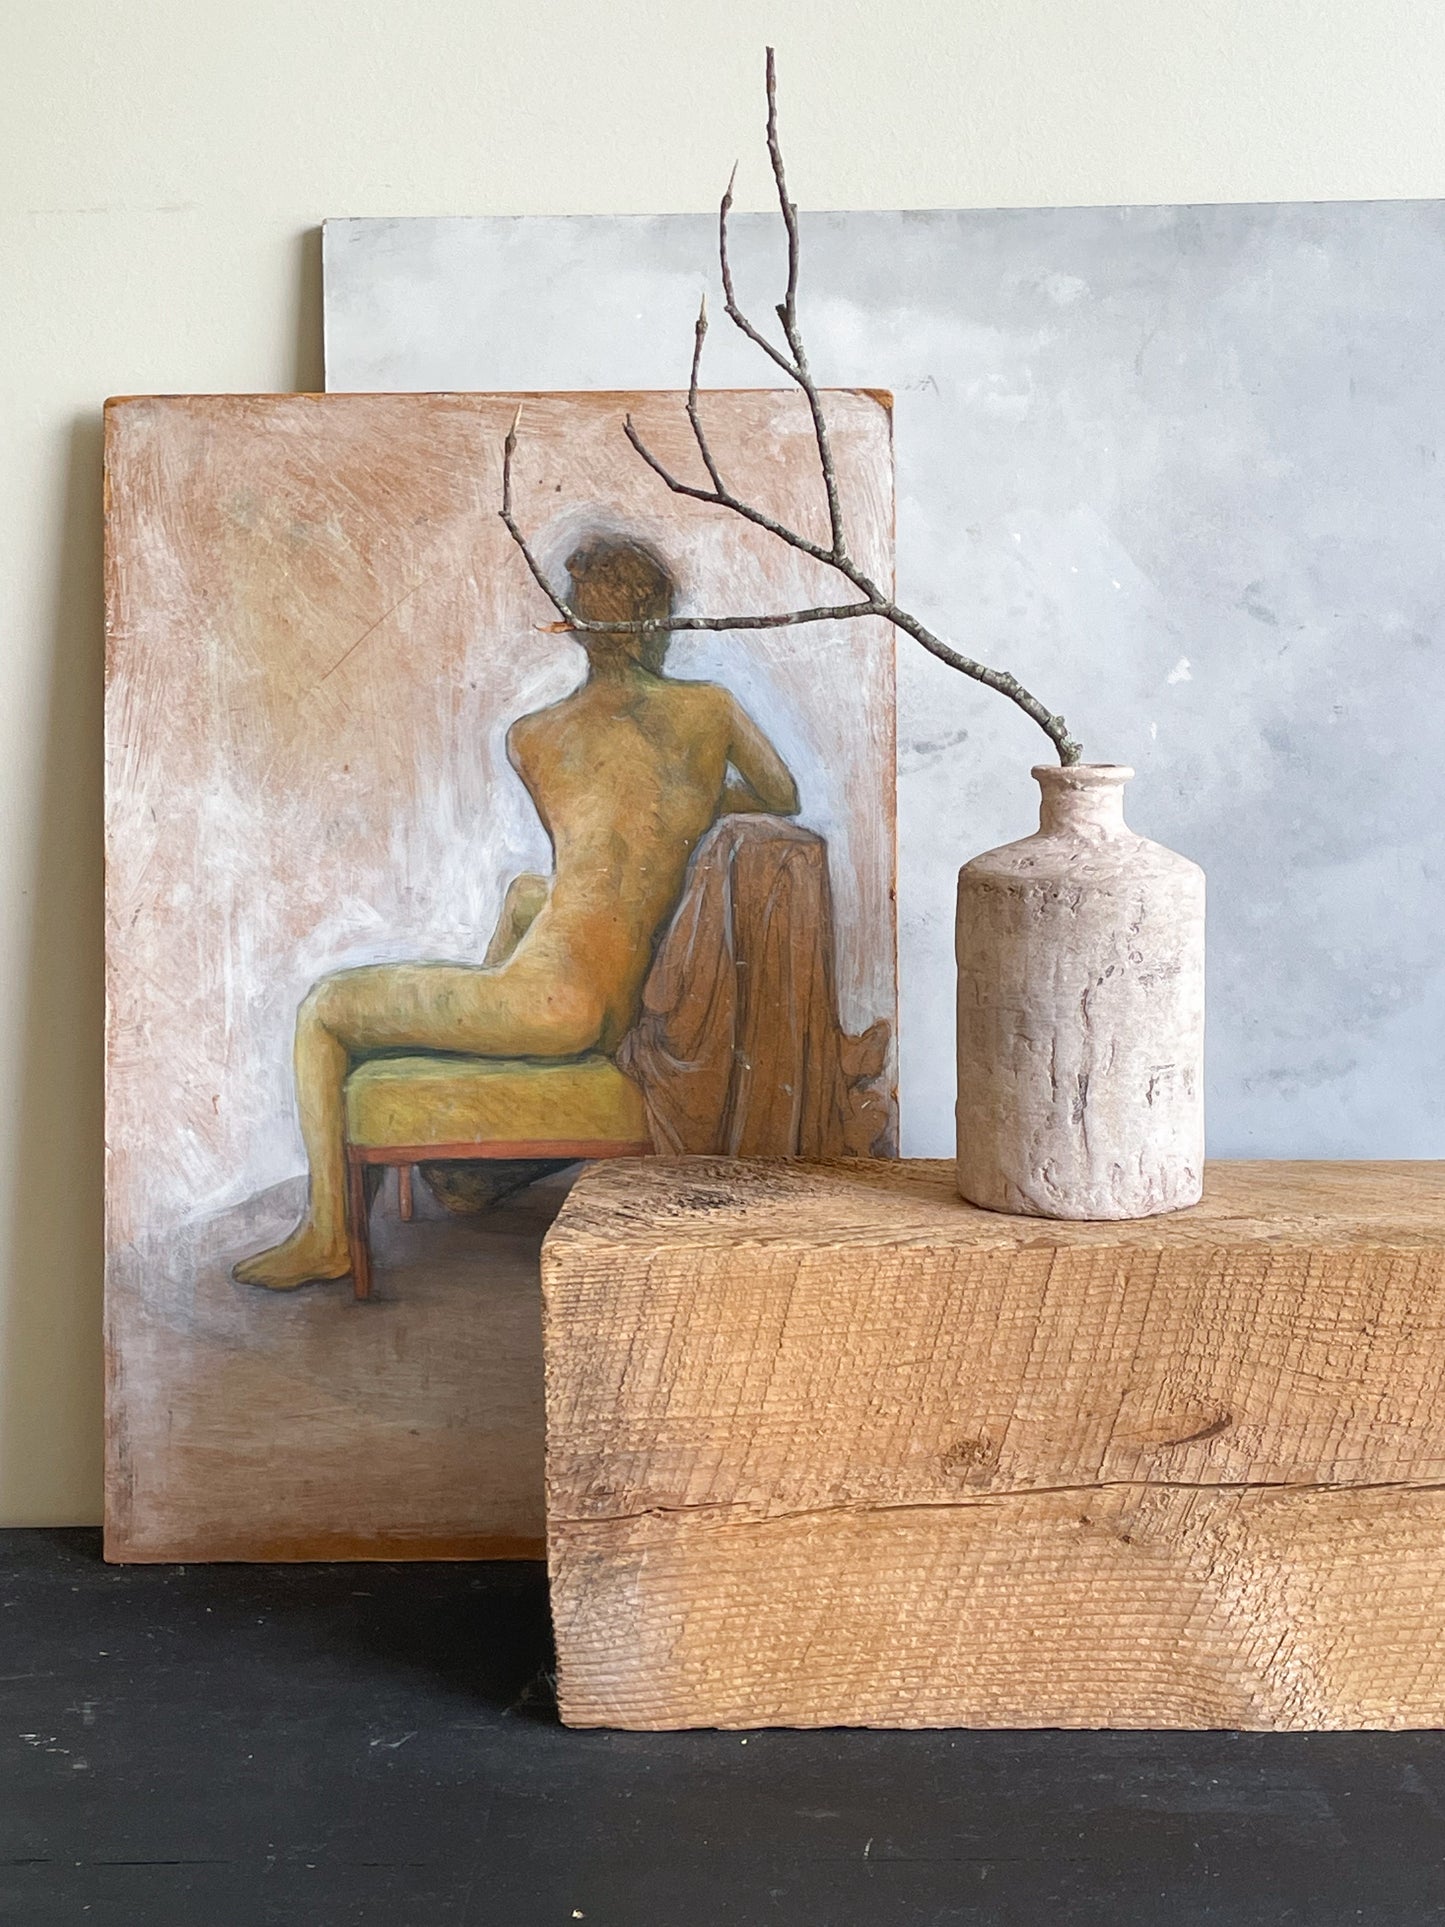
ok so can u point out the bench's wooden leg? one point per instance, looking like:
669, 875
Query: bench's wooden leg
358, 1227
403, 1188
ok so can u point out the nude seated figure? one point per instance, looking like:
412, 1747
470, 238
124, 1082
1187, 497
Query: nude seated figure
628, 773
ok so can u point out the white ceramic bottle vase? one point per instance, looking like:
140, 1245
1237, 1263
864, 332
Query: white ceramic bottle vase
1081, 1013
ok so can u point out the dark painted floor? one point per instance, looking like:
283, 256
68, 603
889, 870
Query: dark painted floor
233, 1746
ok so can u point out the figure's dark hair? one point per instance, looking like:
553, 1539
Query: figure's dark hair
620, 579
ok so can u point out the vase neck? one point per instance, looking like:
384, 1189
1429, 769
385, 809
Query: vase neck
1082, 799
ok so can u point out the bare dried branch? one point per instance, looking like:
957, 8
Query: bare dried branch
790, 619
787, 312
724, 498
509, 449
1054, 727
572, 619
795, 364
699, 336
730, 301
873, 601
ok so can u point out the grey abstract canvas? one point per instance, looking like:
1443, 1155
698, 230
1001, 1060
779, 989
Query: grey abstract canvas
1177, 468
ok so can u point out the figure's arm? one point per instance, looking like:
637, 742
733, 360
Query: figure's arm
525, 900
526, 895
517, 737
763, 781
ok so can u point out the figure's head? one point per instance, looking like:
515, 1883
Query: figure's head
616, 579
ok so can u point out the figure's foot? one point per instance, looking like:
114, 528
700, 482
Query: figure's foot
305, 1258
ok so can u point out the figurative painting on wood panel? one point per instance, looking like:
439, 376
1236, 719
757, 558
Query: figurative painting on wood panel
418, 897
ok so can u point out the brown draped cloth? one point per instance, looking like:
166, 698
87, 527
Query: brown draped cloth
739, 1048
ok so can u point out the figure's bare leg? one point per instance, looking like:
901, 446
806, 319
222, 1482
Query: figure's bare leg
510, 1011
524, 901
317, 1248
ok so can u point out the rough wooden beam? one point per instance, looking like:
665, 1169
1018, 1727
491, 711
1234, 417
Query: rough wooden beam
826, 1446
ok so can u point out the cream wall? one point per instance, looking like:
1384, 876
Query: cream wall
163, 168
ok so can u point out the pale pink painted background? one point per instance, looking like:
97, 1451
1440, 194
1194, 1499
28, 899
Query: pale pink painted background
318, 633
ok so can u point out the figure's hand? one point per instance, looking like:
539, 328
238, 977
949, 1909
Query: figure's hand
740, 799
761, 773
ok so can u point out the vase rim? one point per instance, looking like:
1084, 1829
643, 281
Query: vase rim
1082, 775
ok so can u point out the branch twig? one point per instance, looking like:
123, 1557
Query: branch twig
509, 449
787, 619
724, 498
872, 600
730, 301
699, 336
573, 619
787, 312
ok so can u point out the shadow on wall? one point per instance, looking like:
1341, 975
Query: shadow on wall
50, 1368
308, 367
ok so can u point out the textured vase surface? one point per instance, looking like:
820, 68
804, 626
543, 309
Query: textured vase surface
1081, 1013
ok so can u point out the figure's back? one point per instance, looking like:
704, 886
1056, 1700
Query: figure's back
642, 758
627, 776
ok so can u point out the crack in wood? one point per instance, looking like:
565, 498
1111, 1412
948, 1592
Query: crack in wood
973, 1501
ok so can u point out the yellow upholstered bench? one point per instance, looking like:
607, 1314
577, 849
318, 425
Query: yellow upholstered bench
410, 1110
